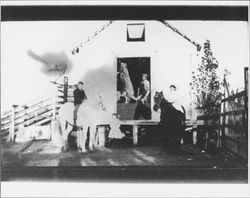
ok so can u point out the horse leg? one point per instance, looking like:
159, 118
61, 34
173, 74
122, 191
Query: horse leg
177, 137
79, 138
92, 134
65, 133
82, 136
166, 136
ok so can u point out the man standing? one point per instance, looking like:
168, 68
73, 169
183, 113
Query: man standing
143, 90
143, 98
79, 97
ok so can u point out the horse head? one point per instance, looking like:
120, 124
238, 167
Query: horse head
161, 102
157, 100
123, 69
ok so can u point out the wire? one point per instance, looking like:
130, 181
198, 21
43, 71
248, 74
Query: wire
76, 49
181, 34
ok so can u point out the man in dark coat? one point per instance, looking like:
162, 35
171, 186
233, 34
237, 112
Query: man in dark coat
79, 97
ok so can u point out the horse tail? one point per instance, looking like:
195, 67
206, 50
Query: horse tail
66, 124
184, 115
184, 112
63, 124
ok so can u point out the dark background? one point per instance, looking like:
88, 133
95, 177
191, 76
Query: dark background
136, 67
34, 13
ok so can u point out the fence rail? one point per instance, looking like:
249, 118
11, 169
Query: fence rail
35, 113
234, 124
228, 130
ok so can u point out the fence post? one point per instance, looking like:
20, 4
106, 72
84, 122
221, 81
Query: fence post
12, 126
65, 89
245, 115
54, 103
246, 79
135, 134
221, 121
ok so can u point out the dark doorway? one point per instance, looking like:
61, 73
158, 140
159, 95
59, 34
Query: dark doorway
132, 102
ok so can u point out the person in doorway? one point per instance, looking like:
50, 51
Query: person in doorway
143, 90
79, 98
143, 99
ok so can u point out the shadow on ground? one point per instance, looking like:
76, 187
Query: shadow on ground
41, 160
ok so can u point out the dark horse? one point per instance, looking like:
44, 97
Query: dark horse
172, 121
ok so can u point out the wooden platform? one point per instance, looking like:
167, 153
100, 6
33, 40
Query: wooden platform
138, 123
44, 161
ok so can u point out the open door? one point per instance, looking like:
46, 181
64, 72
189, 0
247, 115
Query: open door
133, 88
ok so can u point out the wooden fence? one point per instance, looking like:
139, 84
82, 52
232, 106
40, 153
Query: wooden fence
229, 130
234, 124
207, 132
36, 113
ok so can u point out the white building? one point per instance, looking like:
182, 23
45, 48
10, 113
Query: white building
170, 58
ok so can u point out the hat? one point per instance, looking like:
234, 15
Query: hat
172, 86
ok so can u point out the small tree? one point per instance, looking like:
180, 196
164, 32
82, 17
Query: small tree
206, 85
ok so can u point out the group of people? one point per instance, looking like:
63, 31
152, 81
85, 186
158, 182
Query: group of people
143, 95
143, 109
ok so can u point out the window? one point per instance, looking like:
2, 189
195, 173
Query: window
136, 32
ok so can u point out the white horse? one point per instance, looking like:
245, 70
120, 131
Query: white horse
127, 86
90, 114
100, 88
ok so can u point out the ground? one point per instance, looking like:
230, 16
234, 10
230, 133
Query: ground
42, 159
